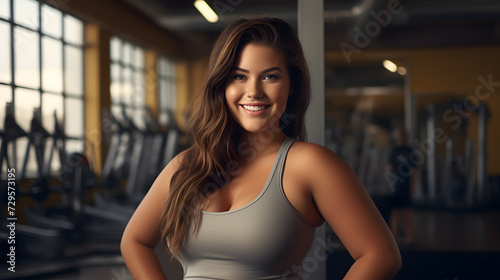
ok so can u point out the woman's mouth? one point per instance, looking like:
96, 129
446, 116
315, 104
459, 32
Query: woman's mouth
255, 108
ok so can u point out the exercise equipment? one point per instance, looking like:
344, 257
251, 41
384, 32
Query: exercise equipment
47, 237
80, 227
132, 149
145, 152
31, 240
139, 161
475, 193
73, 216
457, 179
172, 142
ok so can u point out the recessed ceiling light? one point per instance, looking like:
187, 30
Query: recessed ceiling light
391, 66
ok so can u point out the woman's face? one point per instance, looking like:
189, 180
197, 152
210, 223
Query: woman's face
258, 88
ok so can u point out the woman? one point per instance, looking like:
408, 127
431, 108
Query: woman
243, 201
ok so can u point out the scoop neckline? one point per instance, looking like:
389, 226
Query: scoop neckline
266, 186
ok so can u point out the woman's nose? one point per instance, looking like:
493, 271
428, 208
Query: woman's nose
254, 89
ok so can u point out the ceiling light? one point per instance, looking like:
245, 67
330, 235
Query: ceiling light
206, 11
391, 66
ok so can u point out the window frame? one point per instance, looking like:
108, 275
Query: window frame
17, 158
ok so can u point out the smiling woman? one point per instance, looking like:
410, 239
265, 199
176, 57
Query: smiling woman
244, 200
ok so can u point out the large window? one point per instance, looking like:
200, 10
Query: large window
41, 66
128, 81
166, 90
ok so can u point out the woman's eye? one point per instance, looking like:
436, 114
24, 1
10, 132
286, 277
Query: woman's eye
239, 77
270, 77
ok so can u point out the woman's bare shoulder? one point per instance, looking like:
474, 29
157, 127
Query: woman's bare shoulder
313, 160
310, 152
175, 163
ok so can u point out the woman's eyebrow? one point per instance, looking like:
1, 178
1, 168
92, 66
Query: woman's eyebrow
271, 69
263, 71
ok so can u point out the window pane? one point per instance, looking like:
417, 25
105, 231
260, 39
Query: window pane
137, 116
171, 93
115, 46
166, 67
51, 103
172, 96
52, 76
26, 13
126, 94
115, 83
116, 111
26, 58
115, 72
163, 93
74, 117
25, 101
51, 21
74, 146
73, 30
5, 75
139, 89
55, 163
31, 167
74, 70
127, 54
5, 9
139, 58
162, 67
5, 96
162, 117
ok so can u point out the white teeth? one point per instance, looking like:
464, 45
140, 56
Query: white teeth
254, 108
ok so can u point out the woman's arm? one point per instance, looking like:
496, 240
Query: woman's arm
142, 234
346, 206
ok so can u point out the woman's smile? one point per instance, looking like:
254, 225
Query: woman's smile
255, 108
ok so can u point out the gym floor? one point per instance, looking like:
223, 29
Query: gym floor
450, 245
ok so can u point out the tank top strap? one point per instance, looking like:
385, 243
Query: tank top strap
281, 157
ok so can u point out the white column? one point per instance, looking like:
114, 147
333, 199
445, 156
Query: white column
311, 35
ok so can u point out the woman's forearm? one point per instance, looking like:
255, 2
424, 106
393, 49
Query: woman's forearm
374, 267
141, 261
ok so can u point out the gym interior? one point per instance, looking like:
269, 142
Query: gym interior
92, 102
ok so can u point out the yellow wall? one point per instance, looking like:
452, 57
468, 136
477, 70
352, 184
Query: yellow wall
97, 92
459, 70
435, 72
190, 75
452, 69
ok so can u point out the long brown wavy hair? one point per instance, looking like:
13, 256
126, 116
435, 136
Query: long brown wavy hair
213, 132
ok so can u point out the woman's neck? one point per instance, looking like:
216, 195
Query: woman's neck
263, 142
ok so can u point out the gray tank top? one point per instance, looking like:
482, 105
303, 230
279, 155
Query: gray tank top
265, 239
